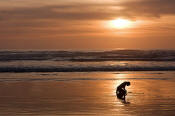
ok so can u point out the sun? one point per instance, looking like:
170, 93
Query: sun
120, 23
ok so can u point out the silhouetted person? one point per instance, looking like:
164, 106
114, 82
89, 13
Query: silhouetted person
121, 91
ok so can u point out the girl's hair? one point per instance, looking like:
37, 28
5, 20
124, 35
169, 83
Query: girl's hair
127, 83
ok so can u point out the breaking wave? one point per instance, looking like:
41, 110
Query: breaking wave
84, 56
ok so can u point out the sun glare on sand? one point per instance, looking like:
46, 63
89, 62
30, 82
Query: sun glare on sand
120, 23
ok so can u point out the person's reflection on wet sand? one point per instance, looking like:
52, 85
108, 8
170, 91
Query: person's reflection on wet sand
123, 100
121, 92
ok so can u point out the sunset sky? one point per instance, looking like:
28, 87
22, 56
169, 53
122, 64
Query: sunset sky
87, 24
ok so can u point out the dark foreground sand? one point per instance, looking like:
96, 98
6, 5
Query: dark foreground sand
49, 94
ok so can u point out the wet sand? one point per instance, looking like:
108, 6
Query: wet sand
49, 94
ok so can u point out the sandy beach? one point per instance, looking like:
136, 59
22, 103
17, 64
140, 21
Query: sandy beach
83, 93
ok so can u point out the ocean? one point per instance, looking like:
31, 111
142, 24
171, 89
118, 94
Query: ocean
87, 61
78, 83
